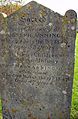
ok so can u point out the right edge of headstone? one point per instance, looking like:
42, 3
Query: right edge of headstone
71, 18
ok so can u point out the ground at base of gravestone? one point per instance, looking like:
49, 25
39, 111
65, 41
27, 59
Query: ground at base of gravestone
74, 110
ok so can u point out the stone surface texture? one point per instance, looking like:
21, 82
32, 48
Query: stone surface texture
36, 63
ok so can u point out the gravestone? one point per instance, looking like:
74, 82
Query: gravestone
36, 63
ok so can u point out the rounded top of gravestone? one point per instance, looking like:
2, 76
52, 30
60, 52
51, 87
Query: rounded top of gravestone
70, 14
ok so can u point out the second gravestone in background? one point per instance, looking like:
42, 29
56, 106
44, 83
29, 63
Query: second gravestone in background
36, 63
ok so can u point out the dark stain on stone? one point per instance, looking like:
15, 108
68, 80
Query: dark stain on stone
31, 116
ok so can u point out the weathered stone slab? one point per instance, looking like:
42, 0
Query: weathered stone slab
37, 63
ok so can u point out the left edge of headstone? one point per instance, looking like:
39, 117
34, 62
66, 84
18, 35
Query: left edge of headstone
2, 37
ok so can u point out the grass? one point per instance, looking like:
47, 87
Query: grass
0, 110
74, 109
